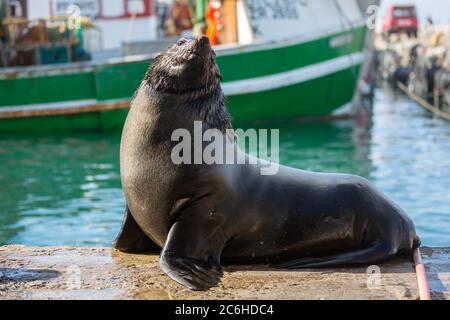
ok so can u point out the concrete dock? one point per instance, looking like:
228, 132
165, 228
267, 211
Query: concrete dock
102, 273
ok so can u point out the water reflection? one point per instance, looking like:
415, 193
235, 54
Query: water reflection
60, 189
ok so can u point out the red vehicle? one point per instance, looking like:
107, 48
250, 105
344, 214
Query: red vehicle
400, 19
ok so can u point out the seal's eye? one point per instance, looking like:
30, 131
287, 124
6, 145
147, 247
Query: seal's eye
181, 42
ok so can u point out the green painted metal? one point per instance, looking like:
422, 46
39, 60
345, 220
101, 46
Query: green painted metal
110, 120
297, 101
247, 65
119, 81
64, 87
294, 101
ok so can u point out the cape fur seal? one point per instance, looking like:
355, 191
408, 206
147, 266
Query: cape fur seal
205, 215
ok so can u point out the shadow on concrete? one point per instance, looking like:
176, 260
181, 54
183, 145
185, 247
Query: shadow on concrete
26, 275
437, 264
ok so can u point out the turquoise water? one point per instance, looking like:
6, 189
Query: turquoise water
65, 189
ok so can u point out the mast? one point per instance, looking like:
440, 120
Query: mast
200, 9
3, 62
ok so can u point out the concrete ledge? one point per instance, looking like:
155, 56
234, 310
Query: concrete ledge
102, 273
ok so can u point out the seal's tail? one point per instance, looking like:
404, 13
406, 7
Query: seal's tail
378, 252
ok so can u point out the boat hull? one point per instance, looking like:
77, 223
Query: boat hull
279, 81
293, 102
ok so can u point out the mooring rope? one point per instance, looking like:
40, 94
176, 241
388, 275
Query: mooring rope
423, 103
344, 19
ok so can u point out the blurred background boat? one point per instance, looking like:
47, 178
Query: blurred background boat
279, 60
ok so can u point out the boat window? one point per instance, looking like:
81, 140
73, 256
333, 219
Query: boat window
404, 12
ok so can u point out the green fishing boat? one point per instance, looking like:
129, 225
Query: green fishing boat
300, 60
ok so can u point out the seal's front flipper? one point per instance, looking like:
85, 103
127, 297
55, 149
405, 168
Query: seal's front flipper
194, 274
191, 255
378, 252
132, 239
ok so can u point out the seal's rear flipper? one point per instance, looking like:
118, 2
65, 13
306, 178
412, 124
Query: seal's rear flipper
380, 251
132, 239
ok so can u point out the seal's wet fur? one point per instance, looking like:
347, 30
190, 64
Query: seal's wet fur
205, 215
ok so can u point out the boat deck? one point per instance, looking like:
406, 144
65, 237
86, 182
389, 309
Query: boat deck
102, 273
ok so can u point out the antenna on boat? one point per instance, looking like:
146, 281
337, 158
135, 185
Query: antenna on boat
3, 62
134, 7
344, 19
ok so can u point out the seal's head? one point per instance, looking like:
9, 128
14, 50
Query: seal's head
189, 65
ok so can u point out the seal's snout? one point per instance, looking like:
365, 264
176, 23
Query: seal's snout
203, 41
188, 64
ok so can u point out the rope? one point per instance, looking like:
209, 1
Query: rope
423, 103
346, 20
424, 291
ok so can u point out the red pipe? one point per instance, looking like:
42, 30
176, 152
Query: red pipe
424, 291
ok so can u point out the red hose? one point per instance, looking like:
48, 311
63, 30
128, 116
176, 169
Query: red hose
424, 291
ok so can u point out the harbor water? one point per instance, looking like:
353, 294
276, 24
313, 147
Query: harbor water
65, 189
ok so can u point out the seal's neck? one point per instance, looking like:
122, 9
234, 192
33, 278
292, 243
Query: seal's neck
213, 111
209, 106
206, 104
165, 84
